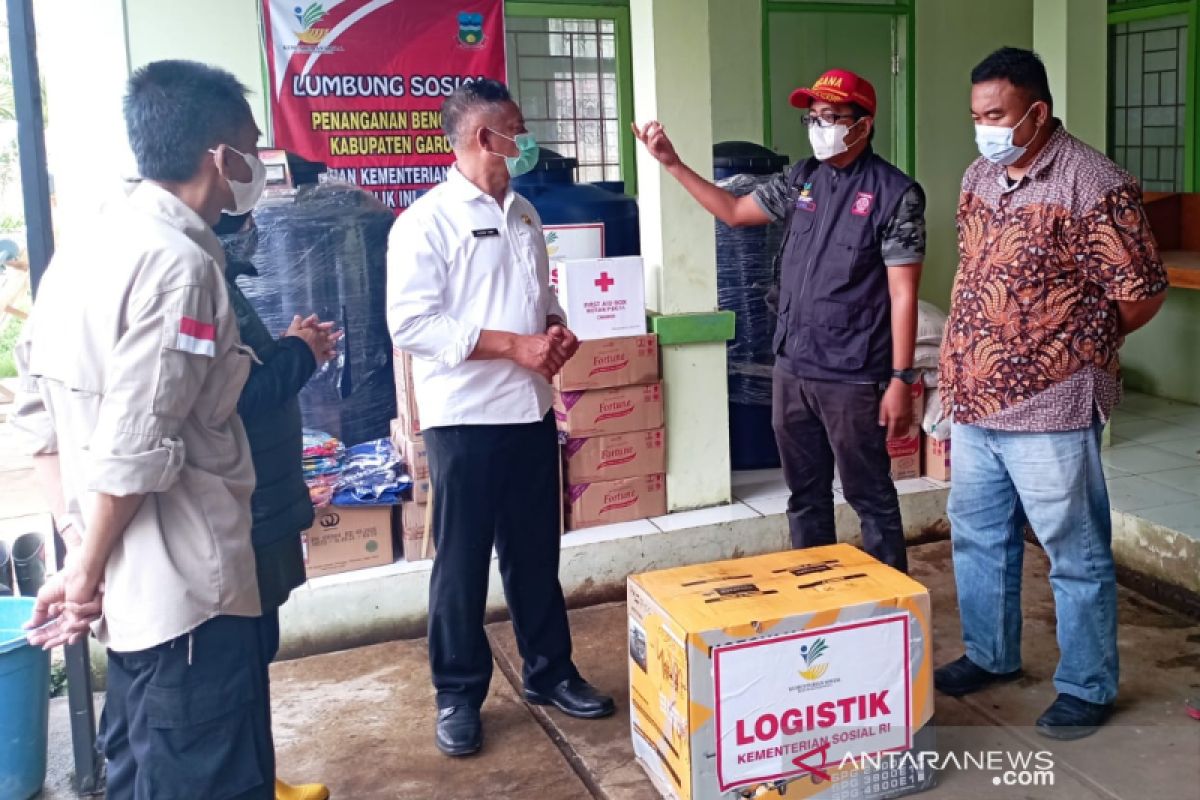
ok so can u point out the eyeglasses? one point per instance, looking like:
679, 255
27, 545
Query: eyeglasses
827, 120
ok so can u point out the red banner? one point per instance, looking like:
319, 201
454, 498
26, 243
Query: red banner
358, 85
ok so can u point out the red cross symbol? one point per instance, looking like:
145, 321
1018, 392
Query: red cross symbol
604, 281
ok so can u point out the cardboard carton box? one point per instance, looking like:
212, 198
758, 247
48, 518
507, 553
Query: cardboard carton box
345, 538
420, 490
605, 411
416, 457
906, 455
796, 668
418, 543
905, 452
618, 455
603, 297
605, 363
918, 403
604, 503
937, 458
408, 419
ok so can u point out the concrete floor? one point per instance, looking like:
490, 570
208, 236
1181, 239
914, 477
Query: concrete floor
361, 720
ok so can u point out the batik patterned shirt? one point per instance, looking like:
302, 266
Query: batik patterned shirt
1032, 338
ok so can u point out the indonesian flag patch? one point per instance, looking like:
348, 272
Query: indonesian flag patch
196, 337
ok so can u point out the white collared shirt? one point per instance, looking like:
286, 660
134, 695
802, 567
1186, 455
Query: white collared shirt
460, 263
131, 367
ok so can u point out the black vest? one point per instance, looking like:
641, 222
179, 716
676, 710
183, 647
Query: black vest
834, 308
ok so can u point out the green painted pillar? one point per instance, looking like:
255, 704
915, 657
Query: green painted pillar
1071, 36
673, 84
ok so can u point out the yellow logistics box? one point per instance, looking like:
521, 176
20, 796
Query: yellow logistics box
806, 672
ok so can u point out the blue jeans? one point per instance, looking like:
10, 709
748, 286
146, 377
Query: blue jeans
1056, 481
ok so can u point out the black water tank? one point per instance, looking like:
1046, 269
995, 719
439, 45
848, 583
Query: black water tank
744, 275
559, 200
324, 251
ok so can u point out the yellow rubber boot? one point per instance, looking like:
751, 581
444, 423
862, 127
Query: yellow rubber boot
307, 791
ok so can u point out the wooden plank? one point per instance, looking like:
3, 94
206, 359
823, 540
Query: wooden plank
1183, 268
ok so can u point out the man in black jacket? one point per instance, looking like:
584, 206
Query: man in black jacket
270, 409
847, 281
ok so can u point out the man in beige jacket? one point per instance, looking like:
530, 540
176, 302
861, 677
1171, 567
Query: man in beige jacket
131, 369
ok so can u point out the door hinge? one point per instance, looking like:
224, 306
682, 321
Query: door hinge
895, 63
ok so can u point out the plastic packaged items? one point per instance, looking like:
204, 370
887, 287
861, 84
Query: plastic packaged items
324, 251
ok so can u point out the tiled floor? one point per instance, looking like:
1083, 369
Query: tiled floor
1153, 469
1153, 466
765, 492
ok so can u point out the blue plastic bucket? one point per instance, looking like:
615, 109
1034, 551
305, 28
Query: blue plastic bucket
24, 704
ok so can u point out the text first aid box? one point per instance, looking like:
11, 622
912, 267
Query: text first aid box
808, 671
603, 297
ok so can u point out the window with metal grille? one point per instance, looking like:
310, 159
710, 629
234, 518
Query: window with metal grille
563, 72
1148, 86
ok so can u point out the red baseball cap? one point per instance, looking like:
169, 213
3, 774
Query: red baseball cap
838, 86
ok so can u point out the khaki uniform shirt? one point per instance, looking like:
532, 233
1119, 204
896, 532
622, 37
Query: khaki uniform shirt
131, 368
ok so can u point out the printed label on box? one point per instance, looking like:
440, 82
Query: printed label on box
833, 692
603, 297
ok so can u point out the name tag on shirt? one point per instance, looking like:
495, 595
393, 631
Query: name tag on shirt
483, 232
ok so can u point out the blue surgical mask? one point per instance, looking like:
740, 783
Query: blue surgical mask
995, 143
527, 153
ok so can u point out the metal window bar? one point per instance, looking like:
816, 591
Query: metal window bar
577, 111
1138, 147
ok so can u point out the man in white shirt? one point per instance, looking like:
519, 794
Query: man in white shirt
469, 298
131, 369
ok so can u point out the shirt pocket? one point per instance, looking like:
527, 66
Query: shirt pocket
225, 384
527, 240
836, 335
854, 248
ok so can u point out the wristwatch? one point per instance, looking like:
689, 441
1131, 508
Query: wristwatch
908, 376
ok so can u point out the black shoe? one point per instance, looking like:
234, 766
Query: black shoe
575, 697
1072, 718
459, 731
965, 677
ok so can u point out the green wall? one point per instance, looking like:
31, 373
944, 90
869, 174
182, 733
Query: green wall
951, 39
805, 45
220, 32
1071, 36
1161, 358
735, 37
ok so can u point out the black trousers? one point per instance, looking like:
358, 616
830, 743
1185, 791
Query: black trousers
816, 423
191, 718
495, 485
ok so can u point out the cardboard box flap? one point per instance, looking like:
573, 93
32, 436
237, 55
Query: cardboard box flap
726, 594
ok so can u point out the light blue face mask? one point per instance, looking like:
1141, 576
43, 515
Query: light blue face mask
995, 142
527, 153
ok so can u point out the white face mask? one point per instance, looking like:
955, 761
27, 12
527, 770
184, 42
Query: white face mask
829, 142
995, 142
246, 195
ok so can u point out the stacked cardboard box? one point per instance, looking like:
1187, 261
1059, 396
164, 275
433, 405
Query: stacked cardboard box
906, 451
406, 436
937, 458
608, 399
609, 406
345, 538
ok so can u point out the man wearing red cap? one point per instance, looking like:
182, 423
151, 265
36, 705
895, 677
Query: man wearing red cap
848, 273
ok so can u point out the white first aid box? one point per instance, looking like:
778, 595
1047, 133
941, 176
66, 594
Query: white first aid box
603, 297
